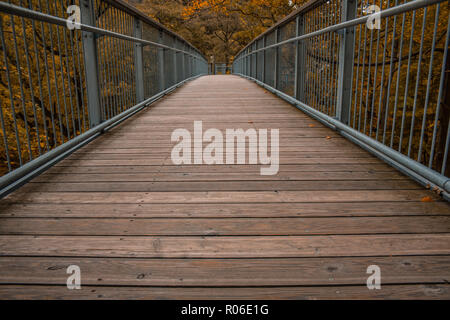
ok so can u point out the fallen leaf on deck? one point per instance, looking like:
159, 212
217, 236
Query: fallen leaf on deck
427, 199
328, 138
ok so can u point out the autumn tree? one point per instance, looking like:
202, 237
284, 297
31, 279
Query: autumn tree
219, 28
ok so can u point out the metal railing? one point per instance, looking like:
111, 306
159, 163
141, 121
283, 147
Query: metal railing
60, 88
386, 89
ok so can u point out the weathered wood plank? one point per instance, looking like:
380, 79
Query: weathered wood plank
225, 272
226, 247
219, 185
220, 197
168, 161
230, 210
148, 143
225, 226
164, 149
240, 177
395, 292
255, 169
156, 155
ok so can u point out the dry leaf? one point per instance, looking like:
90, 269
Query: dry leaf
250, 122
328, 138
427, 199
311, 126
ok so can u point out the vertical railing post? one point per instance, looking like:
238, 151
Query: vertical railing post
297, 56
250, 61
346, 53
246, 61
264, 60
190, 64
249, 64
91, 64
255, 74
256, 61
183, 72
138, 62
276, 67
162, 85
188, 61
299, 62
175, 75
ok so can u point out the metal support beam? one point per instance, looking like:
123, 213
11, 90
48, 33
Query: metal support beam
138, 62
346, 53
91, 64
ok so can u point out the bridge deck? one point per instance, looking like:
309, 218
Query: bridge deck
140, 227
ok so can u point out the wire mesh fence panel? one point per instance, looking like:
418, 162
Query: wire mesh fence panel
254, 62
286, 68
43, 100
260, 61
115, 61
321, 58
168, 61
398, 75
270, 60
150, 62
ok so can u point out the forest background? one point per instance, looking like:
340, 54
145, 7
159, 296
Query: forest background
218, 28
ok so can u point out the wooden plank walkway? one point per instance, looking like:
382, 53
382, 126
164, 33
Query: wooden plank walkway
140, 227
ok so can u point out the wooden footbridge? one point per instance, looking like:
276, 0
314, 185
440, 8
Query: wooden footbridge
109, 199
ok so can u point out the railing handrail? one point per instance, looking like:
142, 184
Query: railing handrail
36, 15
402, 8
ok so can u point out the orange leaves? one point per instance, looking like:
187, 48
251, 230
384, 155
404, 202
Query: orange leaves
427, 199
199, 5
